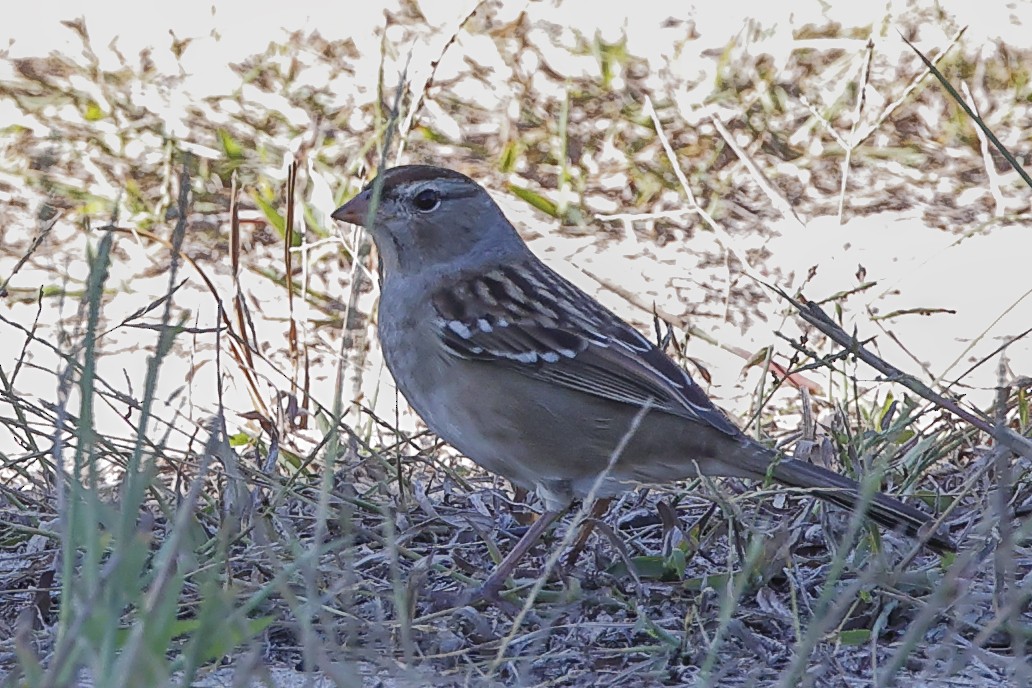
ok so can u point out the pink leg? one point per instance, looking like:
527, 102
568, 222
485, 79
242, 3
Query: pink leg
494, 583
598, 510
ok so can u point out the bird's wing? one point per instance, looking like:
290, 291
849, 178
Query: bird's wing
532, 320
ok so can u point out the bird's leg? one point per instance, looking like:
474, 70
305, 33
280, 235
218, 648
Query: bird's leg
491, 587
598, 510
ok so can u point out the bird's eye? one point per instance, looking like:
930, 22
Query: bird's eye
427, 200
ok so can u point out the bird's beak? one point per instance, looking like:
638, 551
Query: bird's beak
355, 211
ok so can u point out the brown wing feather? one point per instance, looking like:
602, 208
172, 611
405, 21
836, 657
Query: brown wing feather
533, 320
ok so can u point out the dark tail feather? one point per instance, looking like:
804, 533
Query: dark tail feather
844, 492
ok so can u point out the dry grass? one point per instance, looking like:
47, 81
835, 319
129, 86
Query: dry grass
204, 464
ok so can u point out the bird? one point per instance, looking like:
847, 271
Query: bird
533, 379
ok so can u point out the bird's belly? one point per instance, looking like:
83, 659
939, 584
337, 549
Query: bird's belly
555, 446
549, 438
474, 423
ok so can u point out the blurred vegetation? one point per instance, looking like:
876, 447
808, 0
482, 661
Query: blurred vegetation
195, 467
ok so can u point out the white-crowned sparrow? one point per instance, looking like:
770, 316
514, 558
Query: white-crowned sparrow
533, 379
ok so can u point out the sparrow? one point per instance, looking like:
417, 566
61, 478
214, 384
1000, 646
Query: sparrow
533, 379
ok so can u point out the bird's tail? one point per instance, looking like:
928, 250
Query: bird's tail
846, 493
